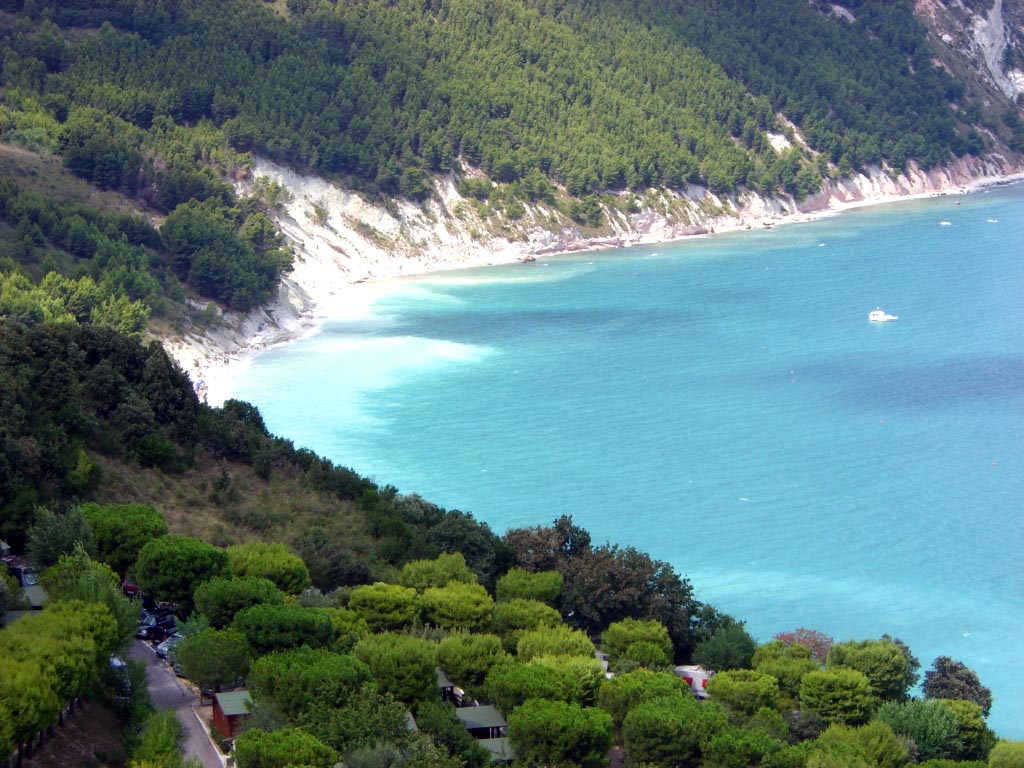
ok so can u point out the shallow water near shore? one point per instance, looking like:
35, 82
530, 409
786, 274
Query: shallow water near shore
725, 405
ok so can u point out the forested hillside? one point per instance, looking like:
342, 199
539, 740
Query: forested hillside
89, 413
559, 104
595, 96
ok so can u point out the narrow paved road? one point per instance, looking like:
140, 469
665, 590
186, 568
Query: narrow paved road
168, 691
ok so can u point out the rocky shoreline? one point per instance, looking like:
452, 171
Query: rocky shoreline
346, 249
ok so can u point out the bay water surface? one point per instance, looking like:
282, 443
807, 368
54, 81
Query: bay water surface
725, 405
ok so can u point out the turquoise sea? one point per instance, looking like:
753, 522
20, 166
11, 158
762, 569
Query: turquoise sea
725, 405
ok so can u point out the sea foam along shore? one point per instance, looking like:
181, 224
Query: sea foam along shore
348, 251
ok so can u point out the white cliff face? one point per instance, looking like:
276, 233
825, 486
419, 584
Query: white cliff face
878, 186
990, 35
340, 239
981, 40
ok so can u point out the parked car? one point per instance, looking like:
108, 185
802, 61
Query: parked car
238, 682
25, 574
157, 612
151, 615
27, 578
168, 646
157, 634
157, 627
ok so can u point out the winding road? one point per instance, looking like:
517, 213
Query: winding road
168, 691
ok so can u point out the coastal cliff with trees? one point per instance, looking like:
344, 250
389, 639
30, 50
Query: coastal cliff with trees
193, 168
328, 143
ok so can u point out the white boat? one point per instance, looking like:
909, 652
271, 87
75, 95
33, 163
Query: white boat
877, 315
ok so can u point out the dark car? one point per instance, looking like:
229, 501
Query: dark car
157, 627
23, 573
131, 590
155, 615
237, 683
158, 633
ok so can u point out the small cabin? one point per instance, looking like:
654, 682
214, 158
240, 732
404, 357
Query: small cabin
450, 692
483, 722
499, 750
229, 709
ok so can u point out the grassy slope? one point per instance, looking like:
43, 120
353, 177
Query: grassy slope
45, 174
196, 503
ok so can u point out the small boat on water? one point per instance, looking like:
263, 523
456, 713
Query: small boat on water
877, 315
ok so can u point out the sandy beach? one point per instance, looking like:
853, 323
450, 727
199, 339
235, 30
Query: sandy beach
330, 281
214, 375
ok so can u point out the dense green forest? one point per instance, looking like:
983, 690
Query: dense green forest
595, 96
120, 268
